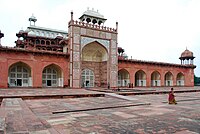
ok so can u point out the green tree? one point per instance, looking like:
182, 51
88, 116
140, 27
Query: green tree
196, 80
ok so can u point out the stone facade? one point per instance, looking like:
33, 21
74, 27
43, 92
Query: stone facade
88, 57
80, 35
134, 66
35, 61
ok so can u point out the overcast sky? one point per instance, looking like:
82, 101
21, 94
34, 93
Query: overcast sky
151, 30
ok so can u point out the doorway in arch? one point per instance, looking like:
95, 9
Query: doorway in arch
87, 78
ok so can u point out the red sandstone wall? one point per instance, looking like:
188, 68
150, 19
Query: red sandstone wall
36, 62
132, 68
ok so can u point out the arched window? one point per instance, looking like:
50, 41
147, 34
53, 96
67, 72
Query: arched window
168, 79
52, 76
19, 75
37, 42
155, 79
52, 43
140, 78
43, 42
180, 79
87, 78
123, 78
47, 42
49, 77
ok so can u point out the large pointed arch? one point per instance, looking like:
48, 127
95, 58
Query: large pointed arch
95, 52
94, 56
180, 79
140, 78
155, 78
52, 76
123, 78
168, 79
19, 75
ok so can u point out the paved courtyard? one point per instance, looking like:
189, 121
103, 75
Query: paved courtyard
111, 114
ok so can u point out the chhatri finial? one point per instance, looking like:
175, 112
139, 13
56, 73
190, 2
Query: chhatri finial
71, 15
32, 18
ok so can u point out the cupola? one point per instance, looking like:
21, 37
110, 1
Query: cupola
32, 19
92, 16
187, 57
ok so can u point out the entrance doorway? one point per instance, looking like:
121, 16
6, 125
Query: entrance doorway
87, 78
87, 83
19, 82
48, 83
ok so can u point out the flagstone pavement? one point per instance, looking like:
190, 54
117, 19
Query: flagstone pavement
141, 114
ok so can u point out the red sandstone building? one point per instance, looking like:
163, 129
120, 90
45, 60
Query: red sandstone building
86, 56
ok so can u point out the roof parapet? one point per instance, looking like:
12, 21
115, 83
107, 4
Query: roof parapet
92, 26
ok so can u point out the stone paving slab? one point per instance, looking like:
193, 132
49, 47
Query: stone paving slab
146, 90
155, 118
20, 119
36, 116
40, 93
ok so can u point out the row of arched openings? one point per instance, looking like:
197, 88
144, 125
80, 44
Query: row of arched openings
20, 76
141, 78
42, 42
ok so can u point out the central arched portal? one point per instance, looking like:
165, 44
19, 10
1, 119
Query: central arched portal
94, 61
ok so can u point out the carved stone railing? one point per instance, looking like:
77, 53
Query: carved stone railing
93, 26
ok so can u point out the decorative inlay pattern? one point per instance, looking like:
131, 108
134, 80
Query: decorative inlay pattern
90, 32
76, 83
76, 56
114, 36
76, 38
113, 78
102, 35
108, 35
77, 30
113, 60
83, 31
96, 33
76, 47
113, 44
113, 51
76, 73
87, 40
76, 65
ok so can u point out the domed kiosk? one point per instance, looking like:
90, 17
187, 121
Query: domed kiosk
187, 57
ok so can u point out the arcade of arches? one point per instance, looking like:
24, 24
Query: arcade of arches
140, 79
89, 56
20, 75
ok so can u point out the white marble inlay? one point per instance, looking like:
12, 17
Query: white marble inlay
87, 40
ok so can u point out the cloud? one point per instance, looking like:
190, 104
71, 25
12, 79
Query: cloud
158, 30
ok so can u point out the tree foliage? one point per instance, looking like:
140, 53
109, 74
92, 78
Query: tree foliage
196, 80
